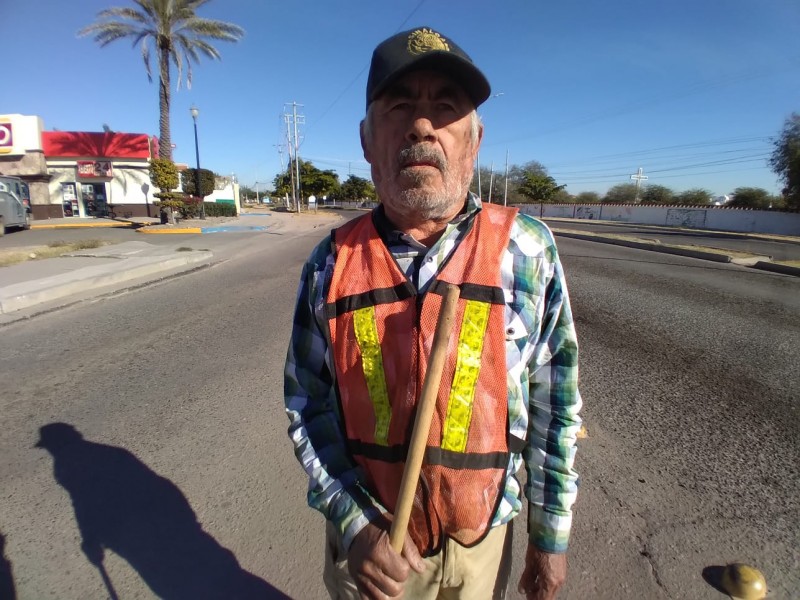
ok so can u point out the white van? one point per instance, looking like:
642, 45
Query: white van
14, 212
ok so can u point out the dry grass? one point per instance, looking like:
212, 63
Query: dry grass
13, 256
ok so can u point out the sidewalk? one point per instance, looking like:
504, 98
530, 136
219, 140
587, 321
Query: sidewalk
41, 282
153, 225
35, 286
39, 285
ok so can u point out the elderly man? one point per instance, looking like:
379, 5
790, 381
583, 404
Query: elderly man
367, 306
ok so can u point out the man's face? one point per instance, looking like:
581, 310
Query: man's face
420, 144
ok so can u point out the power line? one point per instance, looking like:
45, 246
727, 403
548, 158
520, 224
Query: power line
360, 73
636, 105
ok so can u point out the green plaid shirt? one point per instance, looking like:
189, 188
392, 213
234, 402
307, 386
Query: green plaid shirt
542, 361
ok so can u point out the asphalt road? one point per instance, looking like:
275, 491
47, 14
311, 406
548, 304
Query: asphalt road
777, 249
184, 473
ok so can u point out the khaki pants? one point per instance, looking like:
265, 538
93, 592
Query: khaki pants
455, 573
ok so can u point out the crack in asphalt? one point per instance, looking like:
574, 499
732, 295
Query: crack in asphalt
653, 570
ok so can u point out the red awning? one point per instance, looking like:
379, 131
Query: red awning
64, 144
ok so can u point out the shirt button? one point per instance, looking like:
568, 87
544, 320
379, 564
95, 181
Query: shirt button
429, 259
510, 331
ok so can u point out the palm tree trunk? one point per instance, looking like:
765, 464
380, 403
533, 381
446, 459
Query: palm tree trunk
165, 142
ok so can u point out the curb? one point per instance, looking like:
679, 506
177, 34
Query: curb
82, 225
196, 230
25, 295
755, 262
713, 256
777, 268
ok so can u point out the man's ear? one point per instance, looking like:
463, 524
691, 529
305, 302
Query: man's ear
478, 141
364, 145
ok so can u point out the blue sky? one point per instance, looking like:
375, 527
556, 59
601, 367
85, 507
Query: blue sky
692, 91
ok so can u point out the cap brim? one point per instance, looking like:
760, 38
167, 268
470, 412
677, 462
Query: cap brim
463, 72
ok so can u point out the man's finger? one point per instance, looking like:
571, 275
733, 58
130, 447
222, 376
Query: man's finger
411, 554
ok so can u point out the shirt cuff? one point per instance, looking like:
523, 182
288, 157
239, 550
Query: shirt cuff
547, 531
350, 516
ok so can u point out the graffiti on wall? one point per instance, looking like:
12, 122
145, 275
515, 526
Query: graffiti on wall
587, 212
686, 217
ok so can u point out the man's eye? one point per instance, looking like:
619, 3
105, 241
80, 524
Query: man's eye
400, 106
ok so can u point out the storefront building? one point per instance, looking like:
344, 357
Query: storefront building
79, 174
21, 154
99, 174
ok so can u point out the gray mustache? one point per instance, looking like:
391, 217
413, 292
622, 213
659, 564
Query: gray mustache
422, 153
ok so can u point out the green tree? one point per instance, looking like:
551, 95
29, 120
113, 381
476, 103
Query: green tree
518, 173
485, 176
694, 196
539, 187
357, 188
785, 160
164, 174
657, 194
246, 193
189, 182
562, 196
178, 35
622, 193
312, 181
753, 197
516, 178
587, 198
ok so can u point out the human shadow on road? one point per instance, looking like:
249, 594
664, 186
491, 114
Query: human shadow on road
7, 591
123, 506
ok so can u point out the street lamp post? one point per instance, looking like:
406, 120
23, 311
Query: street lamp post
196, 112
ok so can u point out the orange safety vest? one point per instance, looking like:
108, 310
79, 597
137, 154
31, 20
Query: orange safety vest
381, 334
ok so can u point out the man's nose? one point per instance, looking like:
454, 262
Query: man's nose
421, 129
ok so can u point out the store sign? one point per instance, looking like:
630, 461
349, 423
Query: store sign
97, 168
6, 137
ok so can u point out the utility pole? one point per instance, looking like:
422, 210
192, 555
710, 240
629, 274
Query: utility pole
287, 118
491, 181
296, 158
479, 175
505, 192
292, 121
639, 177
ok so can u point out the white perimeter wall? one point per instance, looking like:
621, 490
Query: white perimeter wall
718, 218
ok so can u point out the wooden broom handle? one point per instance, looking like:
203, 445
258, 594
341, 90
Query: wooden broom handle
422, 422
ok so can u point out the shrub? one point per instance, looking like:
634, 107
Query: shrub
191, 207
220, 209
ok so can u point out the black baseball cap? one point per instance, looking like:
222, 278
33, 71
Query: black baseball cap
424, 48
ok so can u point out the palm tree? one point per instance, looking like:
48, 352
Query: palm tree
177, 33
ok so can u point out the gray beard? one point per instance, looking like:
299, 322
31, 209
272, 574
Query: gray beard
427, 205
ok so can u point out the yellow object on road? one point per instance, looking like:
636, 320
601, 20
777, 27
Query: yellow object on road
743, 582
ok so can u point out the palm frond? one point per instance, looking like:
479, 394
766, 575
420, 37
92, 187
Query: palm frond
146, 59
206, 49
139, 37
219, 30
110, 32
123, 13
177, 58
189, 49
148, 8
195, 4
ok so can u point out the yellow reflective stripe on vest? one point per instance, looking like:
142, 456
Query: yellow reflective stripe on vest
468, 363
366, 328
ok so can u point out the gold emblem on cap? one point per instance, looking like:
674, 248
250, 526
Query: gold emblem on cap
425, 40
